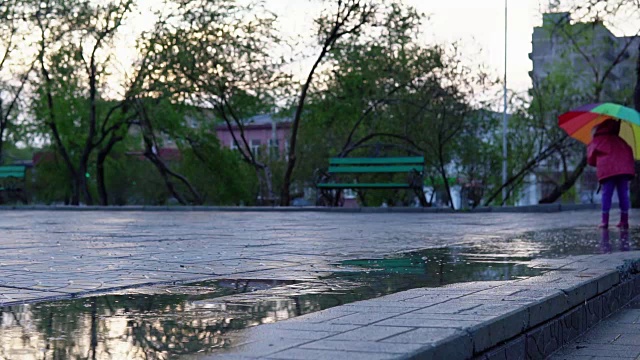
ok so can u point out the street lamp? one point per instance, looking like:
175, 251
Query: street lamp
504, 114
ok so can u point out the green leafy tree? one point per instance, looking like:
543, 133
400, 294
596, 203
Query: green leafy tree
582, 63
73, 61
12, 86
478, 156
216, 55
390, 88
624, 13
345, 19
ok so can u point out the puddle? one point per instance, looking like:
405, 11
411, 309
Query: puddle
551, 244
169, 321
166, 322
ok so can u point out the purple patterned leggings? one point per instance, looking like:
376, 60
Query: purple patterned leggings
621, 184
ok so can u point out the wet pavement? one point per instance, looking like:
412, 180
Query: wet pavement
261, 267
205, 317
49, 254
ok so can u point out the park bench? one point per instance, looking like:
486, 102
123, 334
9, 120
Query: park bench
12, 183
354, 168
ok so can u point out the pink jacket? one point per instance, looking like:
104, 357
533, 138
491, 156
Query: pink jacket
609, 153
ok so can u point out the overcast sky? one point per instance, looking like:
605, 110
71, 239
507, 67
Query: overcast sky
477, 24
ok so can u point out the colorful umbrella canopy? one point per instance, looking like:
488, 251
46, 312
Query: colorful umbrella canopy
579, 123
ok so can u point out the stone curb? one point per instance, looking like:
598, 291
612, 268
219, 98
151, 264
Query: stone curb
528, 318
541, 341
546, 208
537, 329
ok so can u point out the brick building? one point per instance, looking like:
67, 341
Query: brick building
261, 132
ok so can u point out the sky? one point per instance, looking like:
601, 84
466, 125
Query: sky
478, 25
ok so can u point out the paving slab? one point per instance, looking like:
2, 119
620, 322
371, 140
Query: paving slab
49, 254
485, 323
82, 251
617, 336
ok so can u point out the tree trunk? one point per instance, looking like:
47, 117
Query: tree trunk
285, 194
83, 183
421, 197
635, 188
568, 183
268, 180
4, 119
443, 173
75, 194
528, 167
75, 197
102, 157
102, 188
162, 169
265, 180
165, 172
1, 146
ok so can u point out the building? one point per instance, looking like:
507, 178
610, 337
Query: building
555, 47
555, 44
261, 131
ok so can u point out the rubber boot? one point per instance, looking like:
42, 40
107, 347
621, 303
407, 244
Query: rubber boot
624, 220
605, 221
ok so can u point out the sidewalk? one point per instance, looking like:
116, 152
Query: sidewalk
486, 320
50, 255
64, 254
617, 337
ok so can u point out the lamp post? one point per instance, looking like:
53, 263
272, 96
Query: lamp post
504, 113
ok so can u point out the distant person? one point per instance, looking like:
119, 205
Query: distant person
614, 163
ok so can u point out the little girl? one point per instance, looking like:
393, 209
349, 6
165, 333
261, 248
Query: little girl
614, 163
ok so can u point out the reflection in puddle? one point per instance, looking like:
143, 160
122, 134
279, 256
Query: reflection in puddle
170, 321
551, 244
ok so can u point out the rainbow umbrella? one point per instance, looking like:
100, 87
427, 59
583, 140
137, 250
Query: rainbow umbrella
579, 122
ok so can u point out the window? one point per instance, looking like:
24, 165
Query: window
255, 146
286, 150
274, 147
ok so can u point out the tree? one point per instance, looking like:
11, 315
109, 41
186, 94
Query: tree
478, 156
11, 90
389, 87
364, 77
217, 56
593, 73
443, 111
73, 77
620, 12
584, 70
152, 112
347, 20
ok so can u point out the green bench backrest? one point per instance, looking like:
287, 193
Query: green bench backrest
16, 171
413, 160
376, 165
